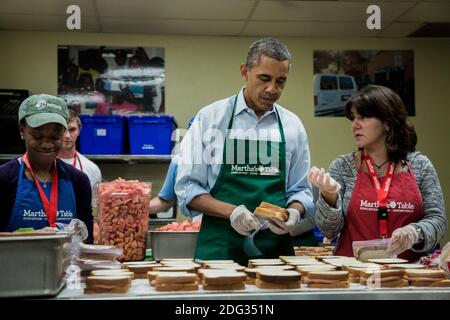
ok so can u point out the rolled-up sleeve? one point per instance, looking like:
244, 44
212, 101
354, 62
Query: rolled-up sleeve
298, 187
192, 171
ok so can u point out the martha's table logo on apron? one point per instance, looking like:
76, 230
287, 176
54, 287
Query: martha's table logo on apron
393, 206
33, 215
254, 170
38, 215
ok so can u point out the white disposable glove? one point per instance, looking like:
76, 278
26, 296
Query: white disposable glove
402, 239
321, 179
243, 220
280, 227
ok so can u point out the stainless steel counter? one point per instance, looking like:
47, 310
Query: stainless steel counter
141, 290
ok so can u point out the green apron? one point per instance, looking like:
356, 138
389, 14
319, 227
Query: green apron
217, 240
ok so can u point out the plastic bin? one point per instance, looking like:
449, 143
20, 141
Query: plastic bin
102, 134
151, 134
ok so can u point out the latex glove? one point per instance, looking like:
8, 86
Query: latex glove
76, 227
280, 227
321, 179
402, 239
243, 220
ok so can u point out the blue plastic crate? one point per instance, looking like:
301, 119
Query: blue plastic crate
102, 134
151, 134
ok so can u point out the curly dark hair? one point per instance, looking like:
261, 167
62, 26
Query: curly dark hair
386, 105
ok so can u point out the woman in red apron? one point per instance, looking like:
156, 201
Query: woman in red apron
379, 190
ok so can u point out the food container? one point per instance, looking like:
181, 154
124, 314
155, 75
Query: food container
122, 209
33, 265
176, 244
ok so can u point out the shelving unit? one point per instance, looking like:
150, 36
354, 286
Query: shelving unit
113, 158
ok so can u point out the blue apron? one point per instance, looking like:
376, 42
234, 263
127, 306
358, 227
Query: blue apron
28, 211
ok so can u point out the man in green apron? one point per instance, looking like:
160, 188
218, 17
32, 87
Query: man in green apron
243, 150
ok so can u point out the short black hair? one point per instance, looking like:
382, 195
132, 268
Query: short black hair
268, 47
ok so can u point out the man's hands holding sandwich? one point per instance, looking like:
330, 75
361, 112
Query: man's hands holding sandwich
282, 227
281, 220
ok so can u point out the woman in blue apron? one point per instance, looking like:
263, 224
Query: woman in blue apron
47, 191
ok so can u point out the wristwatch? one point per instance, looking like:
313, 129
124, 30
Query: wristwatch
420, 232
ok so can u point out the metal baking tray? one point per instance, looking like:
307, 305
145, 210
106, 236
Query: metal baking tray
33, 265
173, 244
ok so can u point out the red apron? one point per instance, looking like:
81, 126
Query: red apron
404, 203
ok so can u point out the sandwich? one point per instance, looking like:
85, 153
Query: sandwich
327, 279
383, 278
214, 279
175, 281
252, 272
277, 279
107, 284
140, 270
271, 212
355, 270
427, 278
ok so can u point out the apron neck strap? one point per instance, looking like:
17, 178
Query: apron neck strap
280, 126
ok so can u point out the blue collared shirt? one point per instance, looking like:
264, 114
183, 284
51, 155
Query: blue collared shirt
201, 159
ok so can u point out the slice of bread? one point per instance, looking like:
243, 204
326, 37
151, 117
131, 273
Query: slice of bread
111, 281
112, 272
223, 278
273, 207
328, 275
176, 269
175, 277
273, 285
398, 283
278, 276
441, 284
425, 273
405, 266
388, 260
176, 287
225, 287
105, 290
383, 273
334, 285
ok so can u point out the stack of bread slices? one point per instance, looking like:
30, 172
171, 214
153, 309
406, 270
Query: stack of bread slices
327, 279
267, 278
108, 281
391, 278
223, 279
427, 278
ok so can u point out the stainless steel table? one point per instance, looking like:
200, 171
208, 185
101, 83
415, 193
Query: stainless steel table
141, 290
